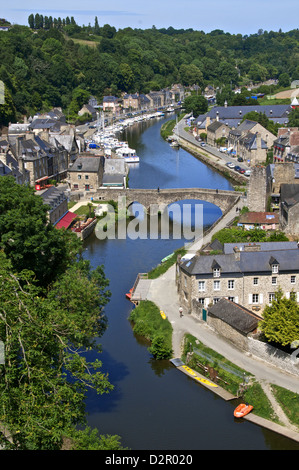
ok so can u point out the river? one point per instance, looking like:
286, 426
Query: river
154, 406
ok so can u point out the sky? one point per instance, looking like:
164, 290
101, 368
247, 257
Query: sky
231, 16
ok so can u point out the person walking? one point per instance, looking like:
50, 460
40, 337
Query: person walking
181, 311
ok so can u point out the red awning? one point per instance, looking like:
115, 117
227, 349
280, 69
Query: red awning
66, 220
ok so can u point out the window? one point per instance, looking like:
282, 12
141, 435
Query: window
201, 286
201, 300
79, 177
86, 177
255, 281
274, 268
255, 298
216, 272
232, 299
216, 285
293, 279
231, 284
215, 300
274, 281
271, 297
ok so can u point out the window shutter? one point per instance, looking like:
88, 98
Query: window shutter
261, 298
287, 295
250, 299
236, 300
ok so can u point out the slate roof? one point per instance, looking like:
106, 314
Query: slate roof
289, 194
249, 262
264, 246
86, 164
109, 99
215, 125
235, 315
233, 115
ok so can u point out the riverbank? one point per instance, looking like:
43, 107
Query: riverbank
162, 291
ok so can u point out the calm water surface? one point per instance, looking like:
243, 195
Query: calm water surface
154, 406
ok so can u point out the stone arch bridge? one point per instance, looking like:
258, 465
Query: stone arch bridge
224, 199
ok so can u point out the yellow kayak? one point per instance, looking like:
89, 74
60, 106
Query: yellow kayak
162, 314
205, 381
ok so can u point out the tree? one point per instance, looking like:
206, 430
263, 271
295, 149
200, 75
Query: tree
294, 118
26, 237
281, 320
46, 372
96, 26
196, 104
31, 21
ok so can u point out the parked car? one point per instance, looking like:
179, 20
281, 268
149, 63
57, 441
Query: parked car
237, 168
230, 165
242, 171
240, 159
203, 144
247, 173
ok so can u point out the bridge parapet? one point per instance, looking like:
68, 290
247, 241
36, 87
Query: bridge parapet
224, 199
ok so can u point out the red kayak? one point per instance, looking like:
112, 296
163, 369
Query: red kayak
242, 410
129, 295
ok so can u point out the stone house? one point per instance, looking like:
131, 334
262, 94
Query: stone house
250, 141
57, 202
10, 166
32, 158
216, 131
86, 173
131, 102
233, 322
90, 110
247, 274
156, 99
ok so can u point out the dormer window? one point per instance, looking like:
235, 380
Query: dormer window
274, 268
274, 265
216, 272
216, 268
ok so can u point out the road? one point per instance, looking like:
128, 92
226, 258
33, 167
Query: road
180, 132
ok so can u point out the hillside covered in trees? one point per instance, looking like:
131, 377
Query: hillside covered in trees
45, 64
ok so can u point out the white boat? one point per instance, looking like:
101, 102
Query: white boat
128, 154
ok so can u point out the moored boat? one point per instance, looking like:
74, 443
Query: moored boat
242, 410
129, 294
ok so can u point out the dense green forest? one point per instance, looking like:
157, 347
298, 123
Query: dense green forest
54, 62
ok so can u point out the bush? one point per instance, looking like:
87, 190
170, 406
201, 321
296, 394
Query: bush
149, 323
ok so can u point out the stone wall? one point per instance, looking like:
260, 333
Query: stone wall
273, 356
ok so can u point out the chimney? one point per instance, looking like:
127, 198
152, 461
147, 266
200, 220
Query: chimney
208, 121
258, 140
237, 251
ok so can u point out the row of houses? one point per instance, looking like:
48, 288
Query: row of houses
248, 139
143, 102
